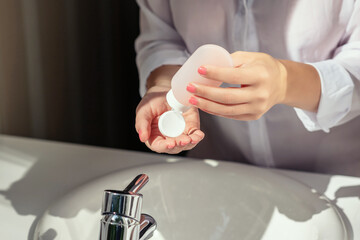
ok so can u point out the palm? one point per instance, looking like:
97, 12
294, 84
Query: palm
156, 101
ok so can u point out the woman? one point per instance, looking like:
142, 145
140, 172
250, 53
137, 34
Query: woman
298, 63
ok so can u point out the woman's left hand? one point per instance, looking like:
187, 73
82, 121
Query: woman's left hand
263, 82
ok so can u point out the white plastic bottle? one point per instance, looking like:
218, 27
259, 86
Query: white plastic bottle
172, 123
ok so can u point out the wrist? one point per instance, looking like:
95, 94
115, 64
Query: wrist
283, 97
162, 76
303, 88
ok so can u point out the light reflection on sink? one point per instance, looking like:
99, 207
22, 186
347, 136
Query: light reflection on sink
204, 200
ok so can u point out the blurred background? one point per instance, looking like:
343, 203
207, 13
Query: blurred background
67, 71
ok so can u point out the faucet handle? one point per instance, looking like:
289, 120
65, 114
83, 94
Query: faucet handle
137, 184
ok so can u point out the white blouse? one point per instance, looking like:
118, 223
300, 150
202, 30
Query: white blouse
324, 33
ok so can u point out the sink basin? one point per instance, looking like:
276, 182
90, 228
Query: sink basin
204, 200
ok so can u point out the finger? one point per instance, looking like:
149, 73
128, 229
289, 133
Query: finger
196, 136
231, 75
160, 144
240, 58
221, 95
180, 142
177, 145
218, 108
143, 121
179, 149
242, 117
183, 140
170, 145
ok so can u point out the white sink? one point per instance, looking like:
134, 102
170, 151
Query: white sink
204, 200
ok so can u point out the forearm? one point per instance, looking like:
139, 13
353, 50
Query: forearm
162, 76
303, 88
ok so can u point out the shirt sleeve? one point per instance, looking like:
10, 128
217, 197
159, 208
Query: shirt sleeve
340, 82
158, 43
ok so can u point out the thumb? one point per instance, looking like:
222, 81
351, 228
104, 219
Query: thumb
143, 122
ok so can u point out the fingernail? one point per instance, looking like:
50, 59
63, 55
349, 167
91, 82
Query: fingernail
140, 135
170, 146
191, 88
202, 70
183, 143
193, 100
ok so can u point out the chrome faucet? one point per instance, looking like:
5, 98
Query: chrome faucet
122, 218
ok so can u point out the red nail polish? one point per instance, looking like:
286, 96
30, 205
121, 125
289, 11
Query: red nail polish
140, 135
193, 100
202, 70
191, 88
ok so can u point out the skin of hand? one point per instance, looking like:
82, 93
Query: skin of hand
265, 81
150, 108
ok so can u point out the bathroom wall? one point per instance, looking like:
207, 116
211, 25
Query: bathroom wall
67, 71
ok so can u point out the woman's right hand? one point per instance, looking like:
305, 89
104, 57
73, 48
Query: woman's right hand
148, 112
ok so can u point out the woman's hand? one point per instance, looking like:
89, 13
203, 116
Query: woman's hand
148, 112
265, 81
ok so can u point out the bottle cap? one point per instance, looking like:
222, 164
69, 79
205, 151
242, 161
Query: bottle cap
171, 123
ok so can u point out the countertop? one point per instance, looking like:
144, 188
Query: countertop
35, 173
